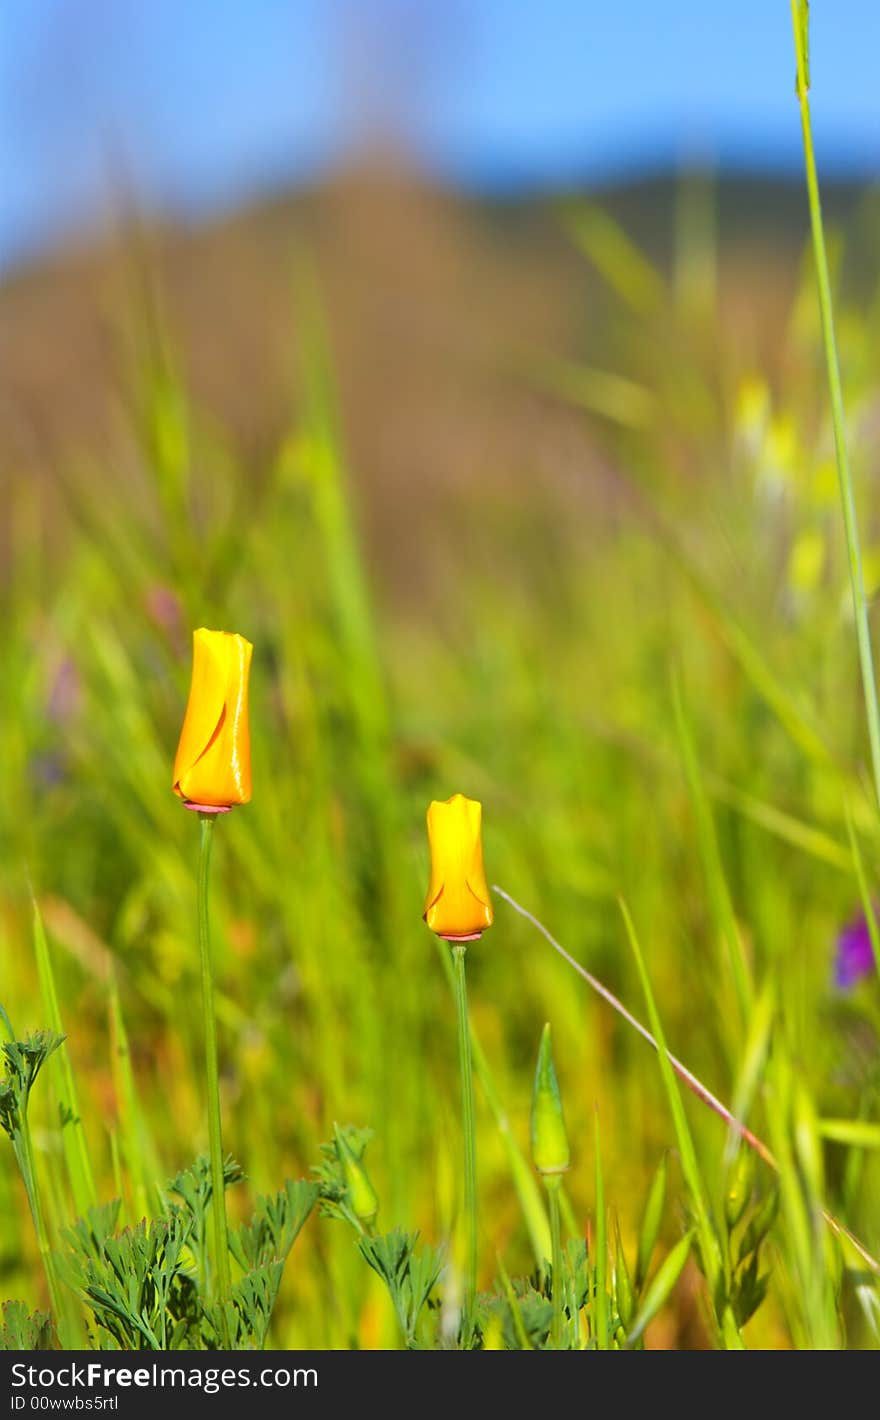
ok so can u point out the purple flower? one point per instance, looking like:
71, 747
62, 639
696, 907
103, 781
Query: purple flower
854, 956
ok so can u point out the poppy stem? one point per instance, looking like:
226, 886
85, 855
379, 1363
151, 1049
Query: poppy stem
470, 1141
215, 1135
552, 1183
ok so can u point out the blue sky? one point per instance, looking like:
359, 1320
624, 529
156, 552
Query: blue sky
197, 104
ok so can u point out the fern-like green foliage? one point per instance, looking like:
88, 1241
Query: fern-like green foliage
137, 1283
275, 1226
194, 1189
246, 1314
409, 1273
147, 1287
261, 1248
525, 1318
21, 1330
23, 1061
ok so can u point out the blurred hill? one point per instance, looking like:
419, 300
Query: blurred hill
438, 306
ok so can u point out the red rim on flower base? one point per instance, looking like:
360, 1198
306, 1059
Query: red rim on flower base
208, 808
471, 937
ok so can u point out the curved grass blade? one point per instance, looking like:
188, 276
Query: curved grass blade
668, 1274
713, 868
709, 1245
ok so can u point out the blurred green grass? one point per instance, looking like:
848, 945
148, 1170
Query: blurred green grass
671, 530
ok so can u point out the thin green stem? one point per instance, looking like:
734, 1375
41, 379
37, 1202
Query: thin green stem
470, 1141
215, 1133
553, 1181
25, 1153
800, 23
524, 1181
600, 1265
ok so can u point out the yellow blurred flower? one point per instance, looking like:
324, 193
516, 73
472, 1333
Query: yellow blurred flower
458, 903
212, 768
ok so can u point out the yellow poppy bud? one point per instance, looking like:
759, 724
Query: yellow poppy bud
458, 905
212, 770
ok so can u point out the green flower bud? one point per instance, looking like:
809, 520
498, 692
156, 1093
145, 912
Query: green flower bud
760, 1223
361, 1193
740, 1183
550, 1150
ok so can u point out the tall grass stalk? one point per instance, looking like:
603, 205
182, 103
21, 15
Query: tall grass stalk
215, 1131
800, 23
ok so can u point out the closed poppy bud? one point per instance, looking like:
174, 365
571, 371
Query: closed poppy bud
361, 1193
458, 905
212, 769
550, 1150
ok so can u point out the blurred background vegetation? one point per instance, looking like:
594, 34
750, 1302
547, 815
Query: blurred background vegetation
484, 480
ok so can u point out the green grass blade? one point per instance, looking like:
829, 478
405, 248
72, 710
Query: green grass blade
710, 854
7, 1024
797, 722
668, 1274
857, 1133
752, 1059
709, 1245
139, 1157
651, 1220
76, 1149
785, 826
335, 517
800, 23
754, 664
602, 392
616, 257
600, 1269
